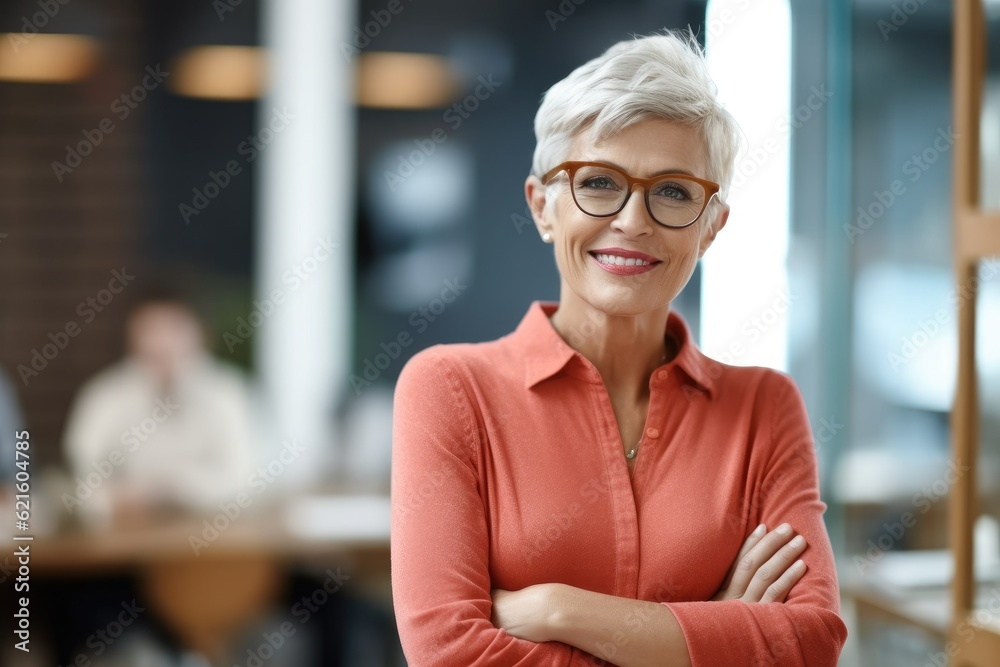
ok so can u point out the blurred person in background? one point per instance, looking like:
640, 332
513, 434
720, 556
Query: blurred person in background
172, 429
591, 486
167, 428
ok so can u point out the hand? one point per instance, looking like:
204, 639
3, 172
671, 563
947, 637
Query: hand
525, 613
766, 567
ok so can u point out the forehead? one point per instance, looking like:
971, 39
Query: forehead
646, 147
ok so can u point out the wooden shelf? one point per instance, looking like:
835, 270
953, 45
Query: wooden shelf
977, 235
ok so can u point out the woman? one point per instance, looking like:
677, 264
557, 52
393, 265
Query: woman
590, 487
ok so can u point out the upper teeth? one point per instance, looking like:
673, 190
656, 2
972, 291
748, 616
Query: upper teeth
620, 261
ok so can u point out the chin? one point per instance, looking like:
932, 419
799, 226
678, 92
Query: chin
620, 302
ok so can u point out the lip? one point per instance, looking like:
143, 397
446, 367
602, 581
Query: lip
627, 254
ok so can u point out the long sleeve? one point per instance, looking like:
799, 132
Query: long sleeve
483, 484
806, 629
217, 405
439, 538
92, 428
194, 445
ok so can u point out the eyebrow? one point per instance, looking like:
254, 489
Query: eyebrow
659, 173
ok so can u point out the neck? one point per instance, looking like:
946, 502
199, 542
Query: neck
625, 349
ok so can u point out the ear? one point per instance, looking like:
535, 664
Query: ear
534, 193
720, 215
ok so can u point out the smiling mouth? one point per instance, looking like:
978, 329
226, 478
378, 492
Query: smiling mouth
624, 266
618, 260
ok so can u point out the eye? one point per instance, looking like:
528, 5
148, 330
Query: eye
599, 183
672, 190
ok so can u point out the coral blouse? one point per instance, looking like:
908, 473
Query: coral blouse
508, 470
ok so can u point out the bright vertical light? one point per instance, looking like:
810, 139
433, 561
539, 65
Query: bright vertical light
305, 239
745, 294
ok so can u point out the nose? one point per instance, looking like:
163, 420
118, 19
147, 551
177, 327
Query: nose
634, 219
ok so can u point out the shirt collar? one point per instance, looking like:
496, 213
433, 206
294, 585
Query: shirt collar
545, 353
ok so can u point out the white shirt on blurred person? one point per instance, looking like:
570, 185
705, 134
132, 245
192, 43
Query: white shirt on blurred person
167, 427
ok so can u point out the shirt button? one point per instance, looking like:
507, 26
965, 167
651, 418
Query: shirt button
661, 374
653, 433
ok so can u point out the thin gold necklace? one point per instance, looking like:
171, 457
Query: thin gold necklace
669, 340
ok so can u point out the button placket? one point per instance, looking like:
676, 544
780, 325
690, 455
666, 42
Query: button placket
622, 498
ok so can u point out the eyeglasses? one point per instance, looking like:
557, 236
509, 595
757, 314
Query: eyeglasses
600, 190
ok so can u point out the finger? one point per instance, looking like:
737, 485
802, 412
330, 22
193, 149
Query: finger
778, 591
752, 540
748, 544
772, 570
758, 555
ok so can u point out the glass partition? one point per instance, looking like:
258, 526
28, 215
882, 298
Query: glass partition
989, 130
987, 529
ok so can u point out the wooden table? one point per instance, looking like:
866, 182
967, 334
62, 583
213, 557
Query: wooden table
926, 609
206, 583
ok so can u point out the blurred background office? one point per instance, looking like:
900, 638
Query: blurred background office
325, 187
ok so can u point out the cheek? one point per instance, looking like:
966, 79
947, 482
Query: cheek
573, 231
687, 255
683, 259
686, 261
571, 260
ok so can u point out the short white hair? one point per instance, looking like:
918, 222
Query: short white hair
659, 76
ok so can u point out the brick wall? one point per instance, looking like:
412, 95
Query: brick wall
64, 239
